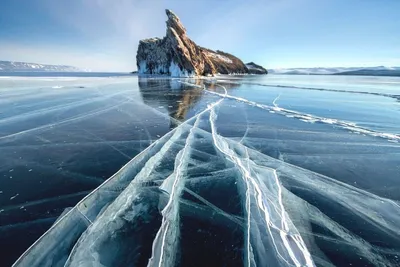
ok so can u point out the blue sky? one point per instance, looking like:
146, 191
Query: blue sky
102, 35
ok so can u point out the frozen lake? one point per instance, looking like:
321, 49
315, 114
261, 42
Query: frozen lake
269, 170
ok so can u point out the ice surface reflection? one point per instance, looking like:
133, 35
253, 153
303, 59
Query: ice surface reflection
202, 195
64, 137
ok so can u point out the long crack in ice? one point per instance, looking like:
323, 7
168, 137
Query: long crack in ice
294, 253
312, 118
168, 233
133, 220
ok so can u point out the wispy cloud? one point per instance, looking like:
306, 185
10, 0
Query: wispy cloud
229, 28
106, 34
96, 61
109, 20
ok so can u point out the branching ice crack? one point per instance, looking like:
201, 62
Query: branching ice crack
250, 181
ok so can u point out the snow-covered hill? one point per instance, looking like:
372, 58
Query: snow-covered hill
325, 71
12, 66
373, 71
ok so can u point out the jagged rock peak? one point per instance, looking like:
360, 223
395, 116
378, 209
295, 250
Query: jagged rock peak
174, 22
177, 55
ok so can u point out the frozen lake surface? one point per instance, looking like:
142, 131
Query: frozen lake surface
269, 170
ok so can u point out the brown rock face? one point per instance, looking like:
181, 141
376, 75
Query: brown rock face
176, 55
256, 69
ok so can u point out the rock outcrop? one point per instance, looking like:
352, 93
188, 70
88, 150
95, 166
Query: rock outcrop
256, 69
178, 56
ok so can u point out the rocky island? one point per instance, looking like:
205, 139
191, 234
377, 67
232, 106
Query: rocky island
255, 69
177, 55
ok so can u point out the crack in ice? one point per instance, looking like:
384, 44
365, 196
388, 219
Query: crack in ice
223, 147
313, 118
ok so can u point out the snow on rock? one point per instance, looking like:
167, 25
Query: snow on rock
219, 57
177, 55
256, 69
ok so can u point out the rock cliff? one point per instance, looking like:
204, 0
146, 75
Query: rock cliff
256, 69
178, 56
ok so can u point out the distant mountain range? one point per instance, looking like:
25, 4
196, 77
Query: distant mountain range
370, 71
12, 66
